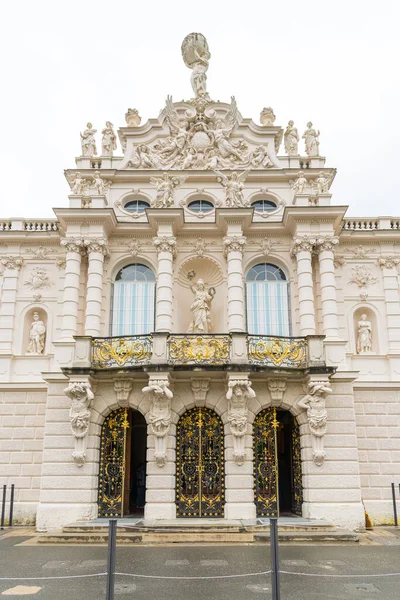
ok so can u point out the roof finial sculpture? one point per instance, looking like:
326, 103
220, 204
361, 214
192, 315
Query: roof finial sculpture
196, 55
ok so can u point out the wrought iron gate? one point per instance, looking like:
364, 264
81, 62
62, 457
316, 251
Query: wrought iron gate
112, 464
266, 484
200, 478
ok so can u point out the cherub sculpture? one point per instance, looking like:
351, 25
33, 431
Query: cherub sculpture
299, 184
222, 131
78, 184
179, 134
233, 185
165, 189
322, 183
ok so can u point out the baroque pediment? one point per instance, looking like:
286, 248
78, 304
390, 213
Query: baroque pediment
200, 134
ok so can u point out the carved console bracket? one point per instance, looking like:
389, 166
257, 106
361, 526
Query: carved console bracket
159, 415
239, 391
277, 388
122, 389
314, 404
81, 396
200, 389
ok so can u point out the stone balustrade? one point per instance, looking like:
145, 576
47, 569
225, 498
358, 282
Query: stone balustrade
177, 350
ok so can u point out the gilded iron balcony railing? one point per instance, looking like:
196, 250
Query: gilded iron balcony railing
195, 349
277, 351
124, 351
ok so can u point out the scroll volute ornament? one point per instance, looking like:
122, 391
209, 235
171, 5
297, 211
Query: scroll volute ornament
239, 391
314, 403
159, 416
81, 396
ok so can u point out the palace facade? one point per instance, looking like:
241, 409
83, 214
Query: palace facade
201, 332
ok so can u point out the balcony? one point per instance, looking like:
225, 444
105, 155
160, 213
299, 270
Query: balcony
178, 351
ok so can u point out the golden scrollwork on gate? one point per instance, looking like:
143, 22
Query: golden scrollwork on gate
297, 480
199, 349
200, 477
112, 464
121, 351
265, 463
277, 351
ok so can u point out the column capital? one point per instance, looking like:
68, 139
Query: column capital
12, 262
234, 243
72, 244
327, 242
96, 245
302, 244
165, 243
388, 262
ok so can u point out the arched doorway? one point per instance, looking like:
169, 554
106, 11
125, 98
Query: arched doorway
200, 475
122, 472
277, 463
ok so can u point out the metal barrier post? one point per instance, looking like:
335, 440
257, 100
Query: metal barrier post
276, 590
10, 520
394, 505
112, 540
3, 506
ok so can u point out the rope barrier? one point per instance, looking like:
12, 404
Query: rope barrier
340, 576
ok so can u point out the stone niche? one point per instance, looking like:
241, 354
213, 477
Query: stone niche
190, 271
372, 318
28, 320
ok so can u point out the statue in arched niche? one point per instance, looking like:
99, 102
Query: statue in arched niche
201, 308
364, 335
37, 334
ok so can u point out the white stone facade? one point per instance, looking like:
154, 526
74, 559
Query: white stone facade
343, 275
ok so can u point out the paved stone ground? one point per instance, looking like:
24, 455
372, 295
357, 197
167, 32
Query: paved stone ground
379, 555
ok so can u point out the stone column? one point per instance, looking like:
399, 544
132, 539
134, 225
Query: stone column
73, 247
301, 249
96, 249
166, 250
234, 246
12, 266
389, 265
324, 247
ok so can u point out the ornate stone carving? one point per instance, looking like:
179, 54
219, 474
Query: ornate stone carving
359, 251
266, 245
159, 416
165, 186
233, 185
165, 243
314, 403
88, 141
291, 139
239, 391
388, 262
362, 276
310, 137
132, 117
41, 252
79, 185
134, 246
72, 244
364, 335
81, 396
96, 245
200, 389
299, 184
38, 279
200, 246
322, 183
267, 117
196, 55
277, 388
303, 244
37, 333
100, 184
234, 243
325, 243
339, 261
143, 158
12, 262
109, 140
260, 158
201, 308
122, 389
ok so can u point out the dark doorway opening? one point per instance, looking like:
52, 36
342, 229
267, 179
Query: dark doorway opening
135, 465
284, 451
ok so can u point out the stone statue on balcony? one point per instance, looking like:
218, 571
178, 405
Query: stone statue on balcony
201, 308
310, 137
88, 141
291, 139
37, 334
364, 335
196, 56
109, 141
314, 403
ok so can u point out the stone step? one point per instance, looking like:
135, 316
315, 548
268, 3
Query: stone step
310, 537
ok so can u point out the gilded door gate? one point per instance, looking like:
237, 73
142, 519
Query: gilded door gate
200, 477
277, 463
112, 464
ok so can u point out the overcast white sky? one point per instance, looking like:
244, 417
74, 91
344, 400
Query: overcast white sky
335, 62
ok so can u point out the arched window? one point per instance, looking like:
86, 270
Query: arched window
136, 206
133, 301
201, 206
264, 206
267, 297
